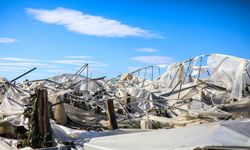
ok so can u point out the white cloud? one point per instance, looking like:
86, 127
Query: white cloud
163, 65
16, 64
94, 69
27, 64
58, 71
13, 69
98, 65
17, 59
24, 61
78, 57
78, 62
7, 40
69, 61
130, 69
156, 60
86, 24
149, 50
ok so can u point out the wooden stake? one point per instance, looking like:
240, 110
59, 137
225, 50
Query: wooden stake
127, 102
97, 110
42, 127
111, 115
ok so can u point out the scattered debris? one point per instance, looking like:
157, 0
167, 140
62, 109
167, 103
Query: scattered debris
205, 99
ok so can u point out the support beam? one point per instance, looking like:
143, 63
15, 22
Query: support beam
42, 127
97, 110
127, 102
111, 115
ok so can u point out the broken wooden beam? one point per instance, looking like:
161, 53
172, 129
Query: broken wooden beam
127, 102
111, 115
42, 136
236, 107
97, 109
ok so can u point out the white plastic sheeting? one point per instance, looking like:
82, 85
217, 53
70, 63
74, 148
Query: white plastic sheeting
12, 112
224, 133
228, 71
62, 133
8, 144
13, 105
80, 82
198, 101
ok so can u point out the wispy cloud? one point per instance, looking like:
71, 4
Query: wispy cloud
13, 69
16, 64
7, 40
27, 64
148, 50
130, 69
163, 65
57, 71
78, 62
79, 57
86, 24
69, 62
17, 59
156, 60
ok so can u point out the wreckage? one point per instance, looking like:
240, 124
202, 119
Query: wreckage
201, 103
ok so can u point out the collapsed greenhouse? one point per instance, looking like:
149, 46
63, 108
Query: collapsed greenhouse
200, 103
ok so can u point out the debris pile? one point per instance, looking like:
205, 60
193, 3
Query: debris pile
75, 111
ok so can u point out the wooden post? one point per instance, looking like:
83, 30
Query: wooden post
127, 102
42, 127
111, 115
97, 110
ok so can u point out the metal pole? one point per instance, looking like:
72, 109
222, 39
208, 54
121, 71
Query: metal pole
87, 88
152, 73
145, 73
180, 90
200, 67
159, 70
187, 70
23, 75
175, 76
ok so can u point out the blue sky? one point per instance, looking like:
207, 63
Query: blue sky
116, 36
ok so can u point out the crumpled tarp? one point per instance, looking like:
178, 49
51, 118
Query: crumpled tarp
229, 72
13, 105
62, 133
224, 133
204, 89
